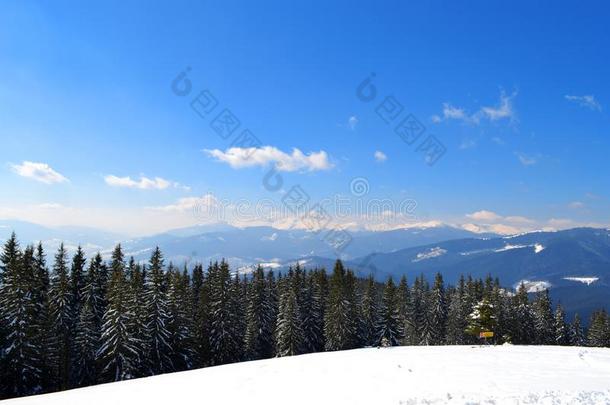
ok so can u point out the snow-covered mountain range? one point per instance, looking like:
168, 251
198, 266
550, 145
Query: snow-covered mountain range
574, 264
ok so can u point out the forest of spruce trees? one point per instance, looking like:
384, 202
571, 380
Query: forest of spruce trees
86, 322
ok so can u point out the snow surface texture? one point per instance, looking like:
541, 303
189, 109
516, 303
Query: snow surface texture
584, 280
434, 252
400, 375
533, 286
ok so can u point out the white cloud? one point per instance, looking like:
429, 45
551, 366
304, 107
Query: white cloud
588, 101
41, 172
484, 215
380, 156
453, 113
526, 160
502, 111
498, 141
501, 229
468, 144
352, 122
576, 205
516, 219
207, 201
144, 183
489, 221
239, 158
50, 206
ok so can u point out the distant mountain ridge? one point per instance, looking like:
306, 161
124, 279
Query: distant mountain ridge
242, 246
574, 264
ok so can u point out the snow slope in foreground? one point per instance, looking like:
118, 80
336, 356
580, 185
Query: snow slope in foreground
401, 375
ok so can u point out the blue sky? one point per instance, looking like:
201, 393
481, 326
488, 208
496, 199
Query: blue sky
518, 94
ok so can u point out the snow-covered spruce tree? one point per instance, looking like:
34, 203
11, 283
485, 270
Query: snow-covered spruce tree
523, 321
289, 333
118, 352
196, 286
437, 312
492, 291
313, 316
238, 315
482, 318
137, 303
425, 318
103, 281
561, 328
61, 319
259, 319
201, 318
456, 316
418, 320
272, 291
180, 321
543, 319
369, 313
77, 280
224, 345
577, 334
339, 325
88, 330
20, 372
599, 330
159, 355
40, 297
389, 327
403, 299
353, 308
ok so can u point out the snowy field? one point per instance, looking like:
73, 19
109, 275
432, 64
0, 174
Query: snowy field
402, 375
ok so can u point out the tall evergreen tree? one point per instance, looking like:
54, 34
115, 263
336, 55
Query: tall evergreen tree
403, 300
599, 330
523, 322
201, 319
61, 319
416, 328
139, 324
224, 347
259, 319
289, 330
544, 319
20, 358
369, 313
437, 312
482, 318
389, 327
425, 322
157, 318
118, 352
238, 317
88, 331
179, 325
313, 316
561, 328
77, 279
577, 334
338, 321
456, 317
40, 297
